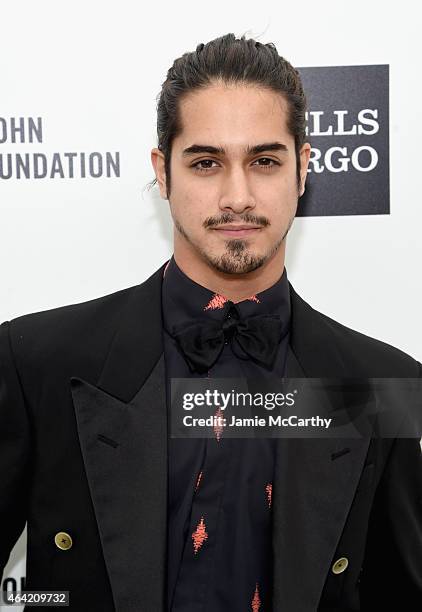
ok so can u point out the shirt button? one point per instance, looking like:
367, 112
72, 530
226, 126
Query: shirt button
340, 565
63, 540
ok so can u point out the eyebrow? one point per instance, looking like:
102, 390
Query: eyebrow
249, 150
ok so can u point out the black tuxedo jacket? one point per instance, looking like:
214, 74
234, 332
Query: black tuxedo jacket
83, 450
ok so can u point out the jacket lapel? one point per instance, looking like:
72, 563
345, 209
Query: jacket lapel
124, 447
314, 481
122, 426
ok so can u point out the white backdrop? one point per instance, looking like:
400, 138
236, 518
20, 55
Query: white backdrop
92, 71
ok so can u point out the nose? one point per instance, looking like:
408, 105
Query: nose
237, 195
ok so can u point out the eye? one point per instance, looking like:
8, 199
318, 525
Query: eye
199, 168
267, 166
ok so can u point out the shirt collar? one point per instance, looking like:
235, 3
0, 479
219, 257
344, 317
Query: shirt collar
184, 300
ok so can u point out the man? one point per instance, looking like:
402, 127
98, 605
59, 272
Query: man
127, 518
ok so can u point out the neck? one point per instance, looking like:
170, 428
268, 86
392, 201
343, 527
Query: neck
235, 287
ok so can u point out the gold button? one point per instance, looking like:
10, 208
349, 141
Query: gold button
340, 565
63, 540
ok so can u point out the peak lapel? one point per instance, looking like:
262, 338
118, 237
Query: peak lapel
122, 427
312, 492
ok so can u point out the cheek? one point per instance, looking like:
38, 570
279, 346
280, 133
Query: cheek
194, 208
186, 211
279, 191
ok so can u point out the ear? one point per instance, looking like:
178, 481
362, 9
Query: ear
157, 159
305, 153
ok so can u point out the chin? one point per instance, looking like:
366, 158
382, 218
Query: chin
229, 263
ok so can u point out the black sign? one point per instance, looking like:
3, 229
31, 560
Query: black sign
348, 129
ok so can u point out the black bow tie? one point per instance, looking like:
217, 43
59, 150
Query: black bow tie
258, 336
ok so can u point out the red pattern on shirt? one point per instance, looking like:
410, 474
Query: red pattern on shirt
218, 429
217, 301
199, 535
198, 481
269, 490
256, 601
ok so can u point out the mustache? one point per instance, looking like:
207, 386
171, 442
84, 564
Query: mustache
230, 218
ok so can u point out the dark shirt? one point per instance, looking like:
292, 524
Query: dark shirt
219, 504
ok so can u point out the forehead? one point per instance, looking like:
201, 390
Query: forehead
232, 114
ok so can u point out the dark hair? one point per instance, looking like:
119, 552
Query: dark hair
229, 60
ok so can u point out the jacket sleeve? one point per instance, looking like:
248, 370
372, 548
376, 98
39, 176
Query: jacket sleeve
14, 450
391, 576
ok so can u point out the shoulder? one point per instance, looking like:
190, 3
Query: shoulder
40, 329
360, 354
73, 333
373, 354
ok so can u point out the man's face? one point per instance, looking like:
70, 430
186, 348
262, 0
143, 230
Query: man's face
232, 205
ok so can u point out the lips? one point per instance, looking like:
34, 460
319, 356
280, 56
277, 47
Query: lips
237, 230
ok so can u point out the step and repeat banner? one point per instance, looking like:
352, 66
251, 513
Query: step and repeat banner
77, 124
